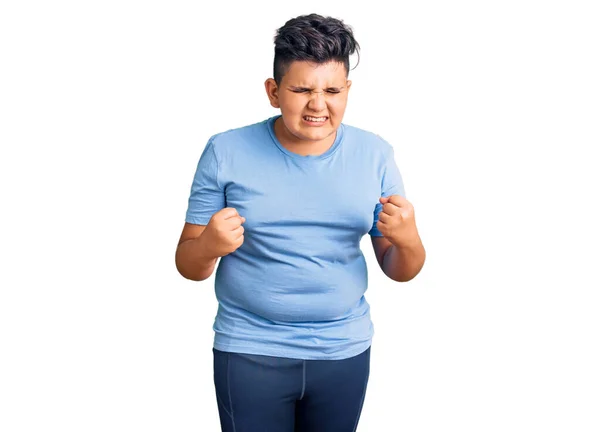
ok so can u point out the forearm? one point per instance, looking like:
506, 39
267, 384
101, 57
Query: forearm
193, 260
403, 262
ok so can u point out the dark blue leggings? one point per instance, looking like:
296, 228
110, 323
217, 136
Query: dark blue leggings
257, 393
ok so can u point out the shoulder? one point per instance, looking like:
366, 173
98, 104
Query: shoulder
233, 139
367, 140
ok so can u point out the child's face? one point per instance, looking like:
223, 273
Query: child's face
318, 91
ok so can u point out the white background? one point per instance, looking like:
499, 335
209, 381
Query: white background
493, 109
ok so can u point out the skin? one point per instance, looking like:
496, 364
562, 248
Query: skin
400, 252
313, 89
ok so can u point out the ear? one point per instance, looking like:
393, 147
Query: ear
272, 92
348, 84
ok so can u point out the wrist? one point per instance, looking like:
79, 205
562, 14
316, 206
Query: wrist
204, 249
410, 242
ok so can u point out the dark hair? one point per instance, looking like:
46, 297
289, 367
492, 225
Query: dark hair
313, 38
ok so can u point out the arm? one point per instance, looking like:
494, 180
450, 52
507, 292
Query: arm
400, 263
192, 258
201, 245
400, 252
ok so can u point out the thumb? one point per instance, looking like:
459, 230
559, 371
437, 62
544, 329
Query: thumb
228, 212
384, 200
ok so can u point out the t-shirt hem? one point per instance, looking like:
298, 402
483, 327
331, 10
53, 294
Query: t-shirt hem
268, 350
197, 221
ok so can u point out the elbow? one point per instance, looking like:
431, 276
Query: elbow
196, 277
401, 278
191, 277
190, 271
404, 274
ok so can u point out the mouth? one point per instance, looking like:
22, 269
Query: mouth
315, 120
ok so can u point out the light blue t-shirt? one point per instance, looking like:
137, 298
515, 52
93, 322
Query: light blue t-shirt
295, 288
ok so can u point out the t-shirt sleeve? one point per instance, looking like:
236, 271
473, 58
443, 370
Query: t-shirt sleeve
206, 196
391, 184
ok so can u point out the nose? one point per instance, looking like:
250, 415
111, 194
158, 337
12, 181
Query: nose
317, 101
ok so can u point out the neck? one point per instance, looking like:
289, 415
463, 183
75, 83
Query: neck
300, 146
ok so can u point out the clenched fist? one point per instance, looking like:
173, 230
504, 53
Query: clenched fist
397, 220
224, 232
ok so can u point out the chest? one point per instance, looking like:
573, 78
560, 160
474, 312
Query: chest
333, 197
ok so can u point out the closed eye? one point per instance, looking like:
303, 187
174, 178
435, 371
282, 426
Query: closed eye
331, 90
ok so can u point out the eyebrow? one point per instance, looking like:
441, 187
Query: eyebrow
307, 88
